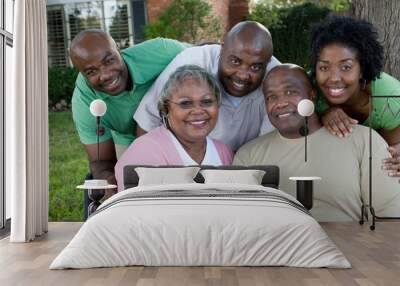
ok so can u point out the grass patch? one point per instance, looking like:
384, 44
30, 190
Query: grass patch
68, 168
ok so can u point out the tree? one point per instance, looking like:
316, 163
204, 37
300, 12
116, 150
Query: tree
384, 15
290, 28
334, 5
186, 20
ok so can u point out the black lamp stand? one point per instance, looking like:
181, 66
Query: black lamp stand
369, 206
304, 193
95, 195
305, 137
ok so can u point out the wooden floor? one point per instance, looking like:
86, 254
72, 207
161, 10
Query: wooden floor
375, 257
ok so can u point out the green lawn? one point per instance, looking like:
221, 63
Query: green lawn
68, 167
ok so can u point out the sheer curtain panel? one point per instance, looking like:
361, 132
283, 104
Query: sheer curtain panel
27, 124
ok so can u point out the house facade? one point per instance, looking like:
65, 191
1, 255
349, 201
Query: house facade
229, 12
122, 19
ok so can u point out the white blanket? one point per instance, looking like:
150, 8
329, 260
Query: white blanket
201, 224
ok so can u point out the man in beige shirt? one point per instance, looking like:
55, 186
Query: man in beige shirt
342, 163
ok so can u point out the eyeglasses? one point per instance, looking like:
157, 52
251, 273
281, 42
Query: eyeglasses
190, 104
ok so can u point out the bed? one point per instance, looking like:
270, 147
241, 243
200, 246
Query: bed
201, 223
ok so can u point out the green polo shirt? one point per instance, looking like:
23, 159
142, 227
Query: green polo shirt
145, 62
385, 111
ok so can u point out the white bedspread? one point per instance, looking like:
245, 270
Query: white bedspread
238, 227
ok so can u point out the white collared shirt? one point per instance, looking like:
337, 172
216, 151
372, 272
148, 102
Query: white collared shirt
210, 158
236, 101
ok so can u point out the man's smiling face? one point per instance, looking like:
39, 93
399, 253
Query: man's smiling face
242, 66
98, 59
283, 89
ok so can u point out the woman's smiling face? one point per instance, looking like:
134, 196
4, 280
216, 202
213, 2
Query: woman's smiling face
192, 110
338, 73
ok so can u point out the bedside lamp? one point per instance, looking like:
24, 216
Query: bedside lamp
304, 185
96, 188
98, 108
305, 108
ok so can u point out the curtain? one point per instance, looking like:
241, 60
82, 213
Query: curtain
27, 123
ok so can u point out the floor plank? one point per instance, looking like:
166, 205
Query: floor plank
375, 257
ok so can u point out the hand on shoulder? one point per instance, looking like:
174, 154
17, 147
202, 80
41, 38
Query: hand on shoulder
338, 122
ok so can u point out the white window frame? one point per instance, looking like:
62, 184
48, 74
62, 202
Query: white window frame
6, 39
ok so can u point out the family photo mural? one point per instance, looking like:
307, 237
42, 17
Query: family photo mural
157, 83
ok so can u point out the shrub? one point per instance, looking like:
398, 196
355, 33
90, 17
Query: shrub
290, 28
61, 83
186, 20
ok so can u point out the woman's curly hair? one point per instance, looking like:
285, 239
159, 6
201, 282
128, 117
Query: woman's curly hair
359, 35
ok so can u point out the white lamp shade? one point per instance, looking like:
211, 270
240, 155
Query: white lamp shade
98, 107
305, 107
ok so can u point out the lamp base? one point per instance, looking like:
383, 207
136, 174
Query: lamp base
304, 190
95, 195
304, 193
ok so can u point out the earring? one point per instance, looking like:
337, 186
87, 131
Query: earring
363, 83
164, 119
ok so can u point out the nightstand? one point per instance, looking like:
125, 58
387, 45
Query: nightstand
95, 193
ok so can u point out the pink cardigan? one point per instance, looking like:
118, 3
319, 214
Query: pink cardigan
156, 148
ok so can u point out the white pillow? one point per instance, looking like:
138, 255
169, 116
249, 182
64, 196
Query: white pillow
248, 177
166, 176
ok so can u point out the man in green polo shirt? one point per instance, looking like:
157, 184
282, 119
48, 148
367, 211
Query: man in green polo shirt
120, 79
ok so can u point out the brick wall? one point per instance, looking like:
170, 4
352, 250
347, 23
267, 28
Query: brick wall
238, 11
221, 9
154, 7
229, 12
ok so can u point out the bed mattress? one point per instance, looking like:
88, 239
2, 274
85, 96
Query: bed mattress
201, 225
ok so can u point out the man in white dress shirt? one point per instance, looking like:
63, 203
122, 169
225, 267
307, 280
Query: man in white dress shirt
239, 64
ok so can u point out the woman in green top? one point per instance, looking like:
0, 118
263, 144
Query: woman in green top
346, 65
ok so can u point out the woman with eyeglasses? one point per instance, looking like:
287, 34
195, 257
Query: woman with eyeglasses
188, 107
